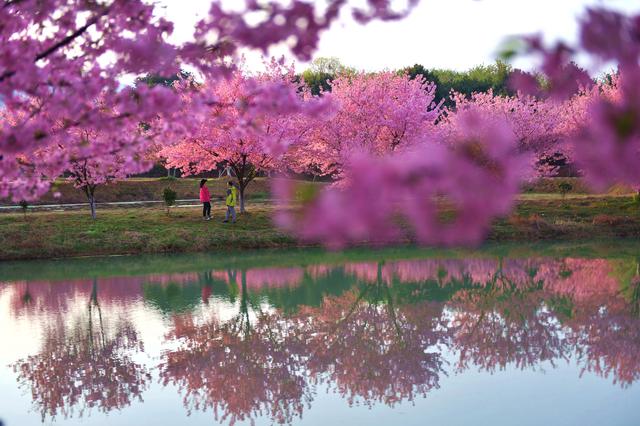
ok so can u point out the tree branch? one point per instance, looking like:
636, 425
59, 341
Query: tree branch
77, 33
64, 42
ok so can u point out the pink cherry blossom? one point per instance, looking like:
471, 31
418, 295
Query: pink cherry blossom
375, 114
253, 121
607, 144
536, 123
475, 170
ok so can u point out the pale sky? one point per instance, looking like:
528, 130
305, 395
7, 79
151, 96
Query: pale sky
456, 34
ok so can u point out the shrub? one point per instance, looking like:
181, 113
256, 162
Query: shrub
565, 187
169, 196
24, 206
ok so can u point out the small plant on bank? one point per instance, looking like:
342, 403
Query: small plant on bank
565, 188
24, 206
636, 198
169, 196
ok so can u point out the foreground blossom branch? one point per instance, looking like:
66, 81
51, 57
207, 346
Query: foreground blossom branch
448, 191
64, 54
468, 170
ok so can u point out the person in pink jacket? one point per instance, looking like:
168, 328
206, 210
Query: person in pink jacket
205, 199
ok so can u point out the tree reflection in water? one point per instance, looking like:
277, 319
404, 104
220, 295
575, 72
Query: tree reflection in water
239, 368
84, 363
374, 333
371, 349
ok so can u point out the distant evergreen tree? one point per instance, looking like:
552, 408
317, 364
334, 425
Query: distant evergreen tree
478, 79
482, 78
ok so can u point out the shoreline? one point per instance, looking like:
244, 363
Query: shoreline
492, 239
142, 264
150, 230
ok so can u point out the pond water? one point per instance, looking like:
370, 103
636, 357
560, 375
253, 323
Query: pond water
501, 336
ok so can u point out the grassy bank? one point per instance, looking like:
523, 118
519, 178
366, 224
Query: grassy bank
151, 230
136, 230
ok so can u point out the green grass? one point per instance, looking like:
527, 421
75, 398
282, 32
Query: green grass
139, 230
150, 230
579, 217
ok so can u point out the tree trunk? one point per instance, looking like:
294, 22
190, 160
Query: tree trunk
92, 200
241, 199
92, 205
94, 292
244, 304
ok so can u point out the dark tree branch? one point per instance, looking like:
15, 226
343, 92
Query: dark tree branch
64, 42
77, 33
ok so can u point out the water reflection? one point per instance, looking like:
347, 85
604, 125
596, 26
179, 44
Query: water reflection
85, 359
258, 343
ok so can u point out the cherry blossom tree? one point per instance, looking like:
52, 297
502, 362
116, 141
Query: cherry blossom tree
376, 114
607, 143
207, 364
449, 191
575, 110
493, 327
606, 148
90, 172
373, 350
536, 123
54, 64
87, 154
243, 130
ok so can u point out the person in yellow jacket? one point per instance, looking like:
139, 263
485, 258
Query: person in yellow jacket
232, 196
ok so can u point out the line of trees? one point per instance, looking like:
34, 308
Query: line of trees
482, 78
374, 114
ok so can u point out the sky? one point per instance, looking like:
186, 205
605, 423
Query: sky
455, 34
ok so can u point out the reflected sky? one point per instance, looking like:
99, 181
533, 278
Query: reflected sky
477, 339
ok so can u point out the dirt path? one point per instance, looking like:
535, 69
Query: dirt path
191, 202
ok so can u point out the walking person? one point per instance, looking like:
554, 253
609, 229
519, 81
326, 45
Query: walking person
232, 196
205, 199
